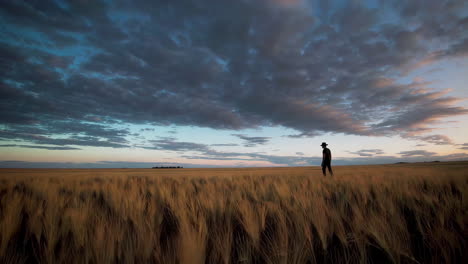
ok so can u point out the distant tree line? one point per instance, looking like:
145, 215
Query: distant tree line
168, 167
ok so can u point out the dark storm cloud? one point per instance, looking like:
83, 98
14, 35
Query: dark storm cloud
252, 141
367, 152
222, 64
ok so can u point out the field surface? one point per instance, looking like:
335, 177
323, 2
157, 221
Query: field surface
405, 213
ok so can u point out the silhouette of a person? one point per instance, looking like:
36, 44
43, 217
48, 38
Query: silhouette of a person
326, 159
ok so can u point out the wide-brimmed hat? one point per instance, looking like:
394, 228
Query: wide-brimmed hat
324, 144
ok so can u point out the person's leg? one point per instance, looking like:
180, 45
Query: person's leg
324, 170
330, 169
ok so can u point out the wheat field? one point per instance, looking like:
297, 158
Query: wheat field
409, 213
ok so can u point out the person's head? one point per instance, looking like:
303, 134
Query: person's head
324, 145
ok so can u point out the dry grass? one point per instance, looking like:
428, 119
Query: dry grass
380, 214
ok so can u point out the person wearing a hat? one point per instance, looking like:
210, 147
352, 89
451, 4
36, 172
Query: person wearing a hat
326, 159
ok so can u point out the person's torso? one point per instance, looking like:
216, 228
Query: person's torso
326, 154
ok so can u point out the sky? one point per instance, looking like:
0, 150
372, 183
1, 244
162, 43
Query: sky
222, 83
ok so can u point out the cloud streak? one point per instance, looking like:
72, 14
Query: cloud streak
415, 153
252, 141
367, 152
463, 146
39, 147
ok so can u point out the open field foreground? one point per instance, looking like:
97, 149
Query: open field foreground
409, 213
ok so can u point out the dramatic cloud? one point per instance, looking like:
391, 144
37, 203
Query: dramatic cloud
73, 72
367, 152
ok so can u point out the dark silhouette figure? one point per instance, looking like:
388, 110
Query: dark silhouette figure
326, 159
